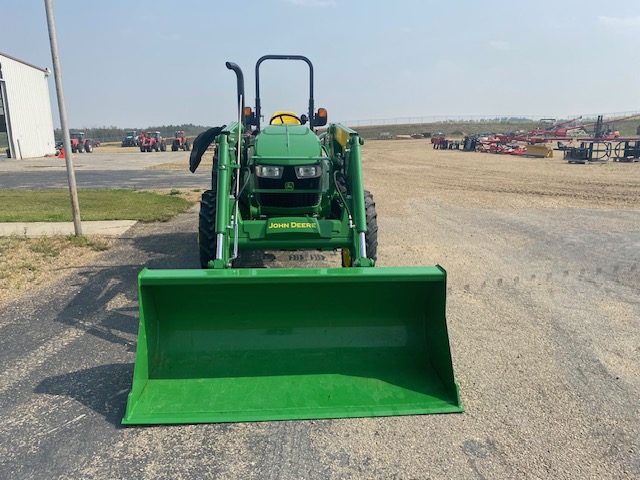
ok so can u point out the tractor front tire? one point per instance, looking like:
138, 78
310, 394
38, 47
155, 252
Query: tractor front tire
371, 237
207, 228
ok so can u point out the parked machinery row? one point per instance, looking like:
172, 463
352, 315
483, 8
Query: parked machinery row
598, 149
153, 141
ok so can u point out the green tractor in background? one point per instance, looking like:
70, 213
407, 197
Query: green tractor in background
242, 344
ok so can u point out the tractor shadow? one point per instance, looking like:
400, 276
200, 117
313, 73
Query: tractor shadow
103, 389
106, 307
107, 304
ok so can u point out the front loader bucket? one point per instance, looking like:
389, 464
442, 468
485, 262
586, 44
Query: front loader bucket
282, 344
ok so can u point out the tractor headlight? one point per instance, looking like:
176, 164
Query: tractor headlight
308, 171
269, 171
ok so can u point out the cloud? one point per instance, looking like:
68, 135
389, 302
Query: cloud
619, 22
312, 3
500, 45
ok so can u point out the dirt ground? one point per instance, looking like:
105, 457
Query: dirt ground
543, 311
482, 180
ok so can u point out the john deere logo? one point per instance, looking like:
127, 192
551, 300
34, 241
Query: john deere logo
288, 186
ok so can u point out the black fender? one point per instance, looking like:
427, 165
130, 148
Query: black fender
200, 145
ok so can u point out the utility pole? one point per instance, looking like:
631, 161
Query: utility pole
66, 140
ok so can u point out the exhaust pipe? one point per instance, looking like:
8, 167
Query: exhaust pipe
240, 82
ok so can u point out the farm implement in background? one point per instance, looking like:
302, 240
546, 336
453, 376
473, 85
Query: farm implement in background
599, 145
605, 143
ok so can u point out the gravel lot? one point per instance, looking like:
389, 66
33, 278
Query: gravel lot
543, 260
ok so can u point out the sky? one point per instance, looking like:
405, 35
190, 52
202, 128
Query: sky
141, 63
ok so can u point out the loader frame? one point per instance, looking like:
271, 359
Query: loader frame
284, 230
291, 232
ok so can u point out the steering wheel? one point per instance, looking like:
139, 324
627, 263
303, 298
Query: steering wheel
282, 115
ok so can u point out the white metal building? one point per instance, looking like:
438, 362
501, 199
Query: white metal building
25, 108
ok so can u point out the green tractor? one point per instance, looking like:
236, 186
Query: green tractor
226, 344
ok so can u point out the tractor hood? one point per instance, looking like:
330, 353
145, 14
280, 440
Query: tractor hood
288, 142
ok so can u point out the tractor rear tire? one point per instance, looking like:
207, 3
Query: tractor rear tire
80, 148
186, 147
207, 227
371, 237
142, 149
174, 148
163, 147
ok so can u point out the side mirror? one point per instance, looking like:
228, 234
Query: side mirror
320, 118
303, 119
250, 116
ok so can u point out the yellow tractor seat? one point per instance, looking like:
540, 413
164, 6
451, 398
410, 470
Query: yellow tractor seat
288, 118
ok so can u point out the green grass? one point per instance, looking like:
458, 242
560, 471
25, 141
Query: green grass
45, 247
95, 244
55, 205
52, 246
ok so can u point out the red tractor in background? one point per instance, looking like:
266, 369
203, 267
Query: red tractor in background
153, 141
79, 143
180, 141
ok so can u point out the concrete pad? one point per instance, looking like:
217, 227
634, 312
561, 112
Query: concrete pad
111, 228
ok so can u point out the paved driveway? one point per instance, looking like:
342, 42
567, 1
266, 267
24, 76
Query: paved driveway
101, 170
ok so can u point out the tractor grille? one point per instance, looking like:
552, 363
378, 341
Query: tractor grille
288, 199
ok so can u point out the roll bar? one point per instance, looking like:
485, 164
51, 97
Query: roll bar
284, 57
314, 120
